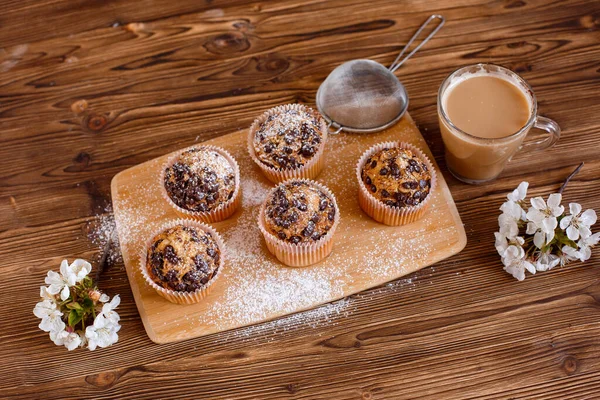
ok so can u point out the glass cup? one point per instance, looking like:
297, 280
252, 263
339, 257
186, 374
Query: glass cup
473, 159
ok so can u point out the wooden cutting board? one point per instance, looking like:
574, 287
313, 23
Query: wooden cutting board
253, 286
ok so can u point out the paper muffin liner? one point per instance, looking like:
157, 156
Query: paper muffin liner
302, 254
224, 210
311, 169
172, 295
391, 215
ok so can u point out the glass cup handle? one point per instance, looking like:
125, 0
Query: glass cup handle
550, 127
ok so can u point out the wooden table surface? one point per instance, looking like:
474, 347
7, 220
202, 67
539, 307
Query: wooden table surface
90, 88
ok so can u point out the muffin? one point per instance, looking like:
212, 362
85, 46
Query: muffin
202, 182
298, 220
182, 260
288, 142
395, 183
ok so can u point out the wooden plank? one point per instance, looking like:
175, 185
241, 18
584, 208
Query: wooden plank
473, 331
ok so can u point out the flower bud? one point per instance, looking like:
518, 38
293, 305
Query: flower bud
94, 295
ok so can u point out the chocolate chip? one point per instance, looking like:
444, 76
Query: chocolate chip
269, 148
293, 217
310, 228
201, 264
331, 215
374, 164
424, 166
281, 235
288, 150
295, 239
390, 203
323, 204
385, 193
315, 236
395, 170
204, 280
171, 275
416, 168
373, 188
384, 171
307, 150
412, 162
423, 183
417, 195
300, 205
289, 138
211, 252
368, 180
316, 217
157, 260
170, 255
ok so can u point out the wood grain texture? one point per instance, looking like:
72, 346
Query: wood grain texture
92, 88
357, 263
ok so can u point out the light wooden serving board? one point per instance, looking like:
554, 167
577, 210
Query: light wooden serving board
253, 286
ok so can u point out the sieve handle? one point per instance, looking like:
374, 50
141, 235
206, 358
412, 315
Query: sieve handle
398, 61
331, 127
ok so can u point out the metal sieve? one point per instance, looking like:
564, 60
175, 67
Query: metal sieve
363, 95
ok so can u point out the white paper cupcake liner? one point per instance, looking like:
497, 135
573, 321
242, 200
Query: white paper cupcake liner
302, 254
223, 211
172, 295
381, 212
310, 170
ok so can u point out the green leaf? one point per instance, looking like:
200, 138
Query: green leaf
74, 318
74, 306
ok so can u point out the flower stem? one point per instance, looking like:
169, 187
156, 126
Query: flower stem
564, 185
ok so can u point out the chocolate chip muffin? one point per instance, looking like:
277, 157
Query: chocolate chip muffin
299, 212
288, 138
183, 258
397, 177
200, 179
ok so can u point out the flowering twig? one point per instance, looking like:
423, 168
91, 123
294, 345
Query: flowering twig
564, 185
72, 300
544, 236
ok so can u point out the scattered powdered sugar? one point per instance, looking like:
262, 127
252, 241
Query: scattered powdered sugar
102, 232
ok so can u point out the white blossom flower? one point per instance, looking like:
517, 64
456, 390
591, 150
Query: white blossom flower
104, 298
508, 221
542, 218
568, 254
108, 310
80, 268
51, 317
71, 340
585, 246
502, 242
546, 261
60, 283
515, 262
46, 295
578, 224
102, 333
519, 193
